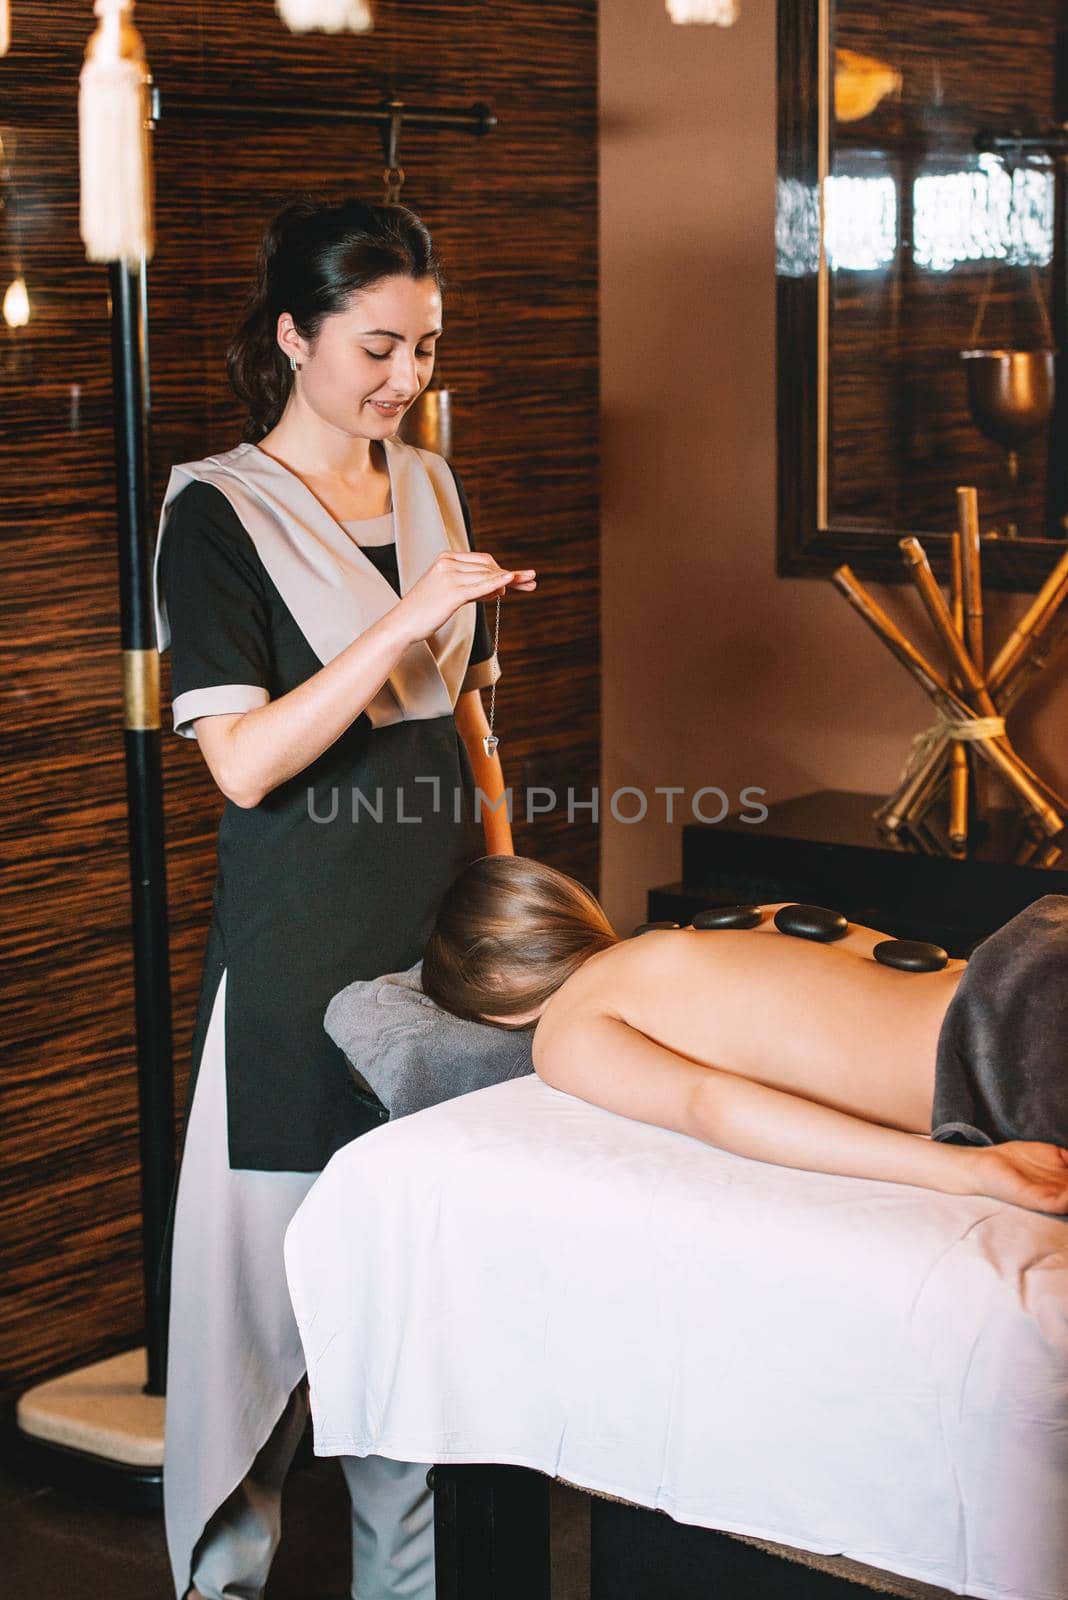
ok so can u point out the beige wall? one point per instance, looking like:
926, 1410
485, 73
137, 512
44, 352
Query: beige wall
715, 670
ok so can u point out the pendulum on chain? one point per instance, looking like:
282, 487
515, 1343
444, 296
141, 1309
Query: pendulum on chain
490, 740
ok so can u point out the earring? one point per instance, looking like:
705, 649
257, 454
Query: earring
294, 364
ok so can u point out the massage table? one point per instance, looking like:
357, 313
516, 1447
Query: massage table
849, 1369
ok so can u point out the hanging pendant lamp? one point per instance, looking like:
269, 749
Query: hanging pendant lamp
1011, 389
721, 12
330, 16
114, 117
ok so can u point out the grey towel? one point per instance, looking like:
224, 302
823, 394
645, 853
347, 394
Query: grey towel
410, 1053
1002, 1062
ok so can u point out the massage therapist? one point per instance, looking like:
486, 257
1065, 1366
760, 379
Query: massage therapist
319, 595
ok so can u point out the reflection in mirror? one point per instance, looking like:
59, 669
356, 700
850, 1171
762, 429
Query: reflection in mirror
934, 248
922, 304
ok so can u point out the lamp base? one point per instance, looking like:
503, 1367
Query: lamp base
96, 1427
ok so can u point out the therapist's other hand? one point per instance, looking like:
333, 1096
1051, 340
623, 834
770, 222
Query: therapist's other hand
455, 579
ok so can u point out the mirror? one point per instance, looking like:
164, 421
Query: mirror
921, 273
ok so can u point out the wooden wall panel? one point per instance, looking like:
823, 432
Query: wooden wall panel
515, 218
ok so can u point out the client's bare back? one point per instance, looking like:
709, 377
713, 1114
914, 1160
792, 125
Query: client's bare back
824, 1021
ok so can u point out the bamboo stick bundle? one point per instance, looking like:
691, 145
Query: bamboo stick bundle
955, 712
971, 703
967, 672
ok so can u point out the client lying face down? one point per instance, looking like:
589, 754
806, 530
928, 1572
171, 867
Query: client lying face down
808, 1054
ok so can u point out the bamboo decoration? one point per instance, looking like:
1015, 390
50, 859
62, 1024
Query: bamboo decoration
956, 717
972, 680
1027, 636
972, 595
971, 704
959, 773
1040, 653
971, 573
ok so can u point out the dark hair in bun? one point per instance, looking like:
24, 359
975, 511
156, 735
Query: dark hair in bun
313, 258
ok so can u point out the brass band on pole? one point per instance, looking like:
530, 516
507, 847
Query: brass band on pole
140, 689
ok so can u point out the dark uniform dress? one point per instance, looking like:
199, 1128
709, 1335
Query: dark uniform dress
334, 876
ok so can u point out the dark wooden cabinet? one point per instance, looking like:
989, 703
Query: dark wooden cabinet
824, 849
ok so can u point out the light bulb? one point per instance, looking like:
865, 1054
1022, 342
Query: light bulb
331, 16
721, 12
16, 304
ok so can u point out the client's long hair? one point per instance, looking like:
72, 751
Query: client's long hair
508, 933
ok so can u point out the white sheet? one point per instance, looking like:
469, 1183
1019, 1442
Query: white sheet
845, 1366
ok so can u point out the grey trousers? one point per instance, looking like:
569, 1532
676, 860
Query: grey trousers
392, 1523
236, 1397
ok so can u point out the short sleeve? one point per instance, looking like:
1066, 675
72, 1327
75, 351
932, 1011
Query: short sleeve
212, 584
483, 668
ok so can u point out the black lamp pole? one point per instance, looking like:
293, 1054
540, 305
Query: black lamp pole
144, 793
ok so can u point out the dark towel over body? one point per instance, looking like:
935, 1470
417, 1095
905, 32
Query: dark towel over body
1002, 1064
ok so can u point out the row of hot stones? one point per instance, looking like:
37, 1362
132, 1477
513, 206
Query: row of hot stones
817, 923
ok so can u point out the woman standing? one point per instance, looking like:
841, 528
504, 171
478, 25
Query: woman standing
318, 591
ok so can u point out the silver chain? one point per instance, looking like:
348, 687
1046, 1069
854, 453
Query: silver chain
490, 742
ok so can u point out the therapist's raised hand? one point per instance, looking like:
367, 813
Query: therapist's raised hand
455, 579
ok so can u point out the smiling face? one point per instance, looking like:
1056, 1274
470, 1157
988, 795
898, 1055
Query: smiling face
372, 360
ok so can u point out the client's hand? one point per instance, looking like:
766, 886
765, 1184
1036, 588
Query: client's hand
1025, 1173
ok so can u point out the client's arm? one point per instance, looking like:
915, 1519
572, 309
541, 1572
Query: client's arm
603, 1060
472, 726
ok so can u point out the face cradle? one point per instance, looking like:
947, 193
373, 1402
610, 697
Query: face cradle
372, 360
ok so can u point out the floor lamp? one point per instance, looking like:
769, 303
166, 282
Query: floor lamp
103, 1424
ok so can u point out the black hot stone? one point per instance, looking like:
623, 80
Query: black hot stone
728, 917
811, 922
648, 927
911, 955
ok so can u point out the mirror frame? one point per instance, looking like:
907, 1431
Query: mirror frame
806, 546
